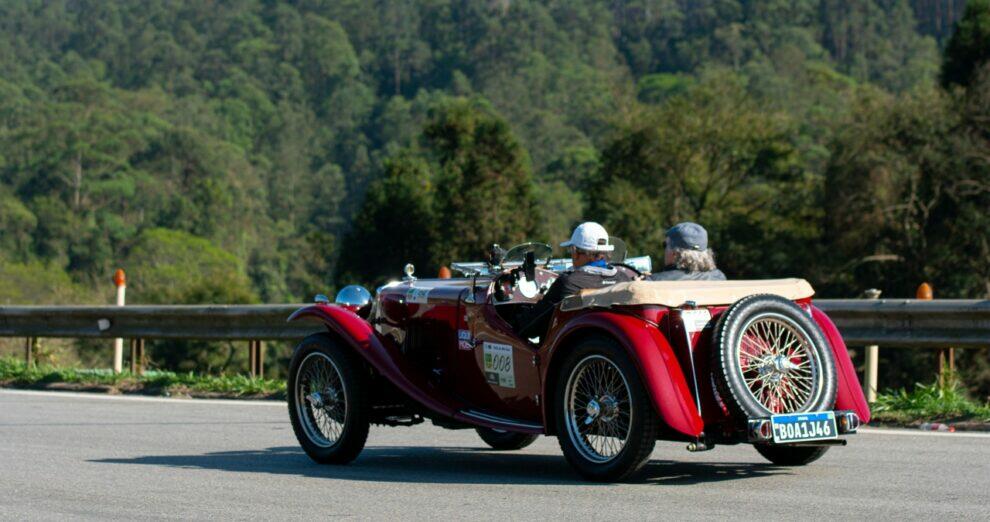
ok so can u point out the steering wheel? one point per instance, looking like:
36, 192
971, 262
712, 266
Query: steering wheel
630, 268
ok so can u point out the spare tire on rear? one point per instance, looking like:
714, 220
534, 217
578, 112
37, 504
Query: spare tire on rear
770, 357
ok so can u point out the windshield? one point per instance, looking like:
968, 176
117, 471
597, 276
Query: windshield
542, 252
620, 251
517, 254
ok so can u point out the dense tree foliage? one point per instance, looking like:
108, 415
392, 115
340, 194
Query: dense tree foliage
259, 126
267, 151
713, 157
969, 46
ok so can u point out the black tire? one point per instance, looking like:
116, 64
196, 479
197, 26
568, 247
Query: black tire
642, 425
791, 455
322, 352
729, 379
505, 440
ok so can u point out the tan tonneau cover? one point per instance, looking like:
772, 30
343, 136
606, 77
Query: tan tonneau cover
676, 293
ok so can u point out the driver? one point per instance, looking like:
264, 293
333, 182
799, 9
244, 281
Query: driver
590, 250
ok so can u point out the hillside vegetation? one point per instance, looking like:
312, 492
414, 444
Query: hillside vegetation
264, 151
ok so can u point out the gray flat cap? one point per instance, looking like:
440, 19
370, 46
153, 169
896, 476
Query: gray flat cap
687, 236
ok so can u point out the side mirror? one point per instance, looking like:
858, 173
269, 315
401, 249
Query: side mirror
529, 266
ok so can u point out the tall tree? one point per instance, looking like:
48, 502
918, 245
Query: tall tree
395, 225
713, 157
969, 46
888, 190
484, 185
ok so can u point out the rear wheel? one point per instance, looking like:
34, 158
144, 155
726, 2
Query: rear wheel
505, 440
606, 423
791, 455
327, 396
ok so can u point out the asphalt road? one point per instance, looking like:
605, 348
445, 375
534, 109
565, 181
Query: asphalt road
78, 456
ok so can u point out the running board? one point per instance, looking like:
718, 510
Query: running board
494, 421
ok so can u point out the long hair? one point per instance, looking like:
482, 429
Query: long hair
694, 260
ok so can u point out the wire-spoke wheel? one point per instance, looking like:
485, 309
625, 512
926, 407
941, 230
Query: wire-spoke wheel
606, 423
770, 357
320, 400
327, 402
598, 408
778, 363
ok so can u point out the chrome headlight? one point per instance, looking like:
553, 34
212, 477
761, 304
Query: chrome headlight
353, 295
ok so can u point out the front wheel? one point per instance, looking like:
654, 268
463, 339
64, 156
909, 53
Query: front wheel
505, 440
327, 396
606, 423
791, 455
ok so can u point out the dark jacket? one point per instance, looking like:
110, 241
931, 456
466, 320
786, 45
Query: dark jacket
535, 321
672, 273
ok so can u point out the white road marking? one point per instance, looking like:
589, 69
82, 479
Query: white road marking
170, 400
905, 432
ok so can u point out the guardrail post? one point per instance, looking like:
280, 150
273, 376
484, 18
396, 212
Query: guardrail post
926, 293
29, 351
137, 356
118, 344
256, 356
872, 363
872, 369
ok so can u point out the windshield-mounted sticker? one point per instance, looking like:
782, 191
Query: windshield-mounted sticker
418, 295
499, 369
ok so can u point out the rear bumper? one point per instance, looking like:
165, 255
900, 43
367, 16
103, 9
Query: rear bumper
846, 421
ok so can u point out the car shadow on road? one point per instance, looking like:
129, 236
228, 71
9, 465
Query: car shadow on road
445, 465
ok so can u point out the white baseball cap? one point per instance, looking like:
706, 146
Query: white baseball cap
590, 237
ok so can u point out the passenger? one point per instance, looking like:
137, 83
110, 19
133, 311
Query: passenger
590, 249
687, 256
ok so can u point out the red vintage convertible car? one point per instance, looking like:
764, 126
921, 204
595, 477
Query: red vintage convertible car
706, 363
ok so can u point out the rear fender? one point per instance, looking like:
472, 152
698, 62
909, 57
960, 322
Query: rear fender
849, 394
380, 353
653, 356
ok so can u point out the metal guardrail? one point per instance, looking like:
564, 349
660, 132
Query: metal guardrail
253, 323
907, 323
201, 322
904, 323
911, 323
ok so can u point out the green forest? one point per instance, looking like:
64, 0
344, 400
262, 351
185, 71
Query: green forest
262, 151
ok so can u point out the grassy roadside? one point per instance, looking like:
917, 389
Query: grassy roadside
14, 373
946, 403
926, 403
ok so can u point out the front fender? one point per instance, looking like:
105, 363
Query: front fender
849, 395
380, 353
653, 356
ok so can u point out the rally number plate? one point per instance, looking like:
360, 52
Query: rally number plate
800, 427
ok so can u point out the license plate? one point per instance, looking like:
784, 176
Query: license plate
799, 427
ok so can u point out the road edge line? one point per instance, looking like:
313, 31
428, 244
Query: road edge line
138, 398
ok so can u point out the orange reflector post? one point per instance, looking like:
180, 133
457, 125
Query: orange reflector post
444, 273
119, 278
924, 291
